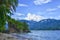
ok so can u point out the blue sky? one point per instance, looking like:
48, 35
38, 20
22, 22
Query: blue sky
37, 10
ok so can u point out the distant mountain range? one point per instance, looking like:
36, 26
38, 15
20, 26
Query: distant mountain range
46, 24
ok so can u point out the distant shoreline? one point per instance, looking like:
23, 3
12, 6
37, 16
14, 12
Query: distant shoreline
46, 29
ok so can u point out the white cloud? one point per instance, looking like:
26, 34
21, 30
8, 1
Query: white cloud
58, 6
29, 16
24, 5
18, 14
58, 17
54, 17
33, 17
51, 9
40, 2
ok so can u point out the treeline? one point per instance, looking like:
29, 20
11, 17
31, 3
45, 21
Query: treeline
7, 7
15, 26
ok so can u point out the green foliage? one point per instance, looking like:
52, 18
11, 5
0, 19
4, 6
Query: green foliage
6, 7
21, 26
2, 29
25, 26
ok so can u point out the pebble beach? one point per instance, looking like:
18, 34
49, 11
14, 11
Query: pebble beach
4, 36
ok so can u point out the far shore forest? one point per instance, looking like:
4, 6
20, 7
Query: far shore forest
7, 7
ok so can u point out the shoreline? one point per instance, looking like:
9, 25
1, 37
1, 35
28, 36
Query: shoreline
4, 36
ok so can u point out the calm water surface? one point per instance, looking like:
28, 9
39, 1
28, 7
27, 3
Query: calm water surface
43, 35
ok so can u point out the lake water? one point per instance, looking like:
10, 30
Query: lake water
43, 35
